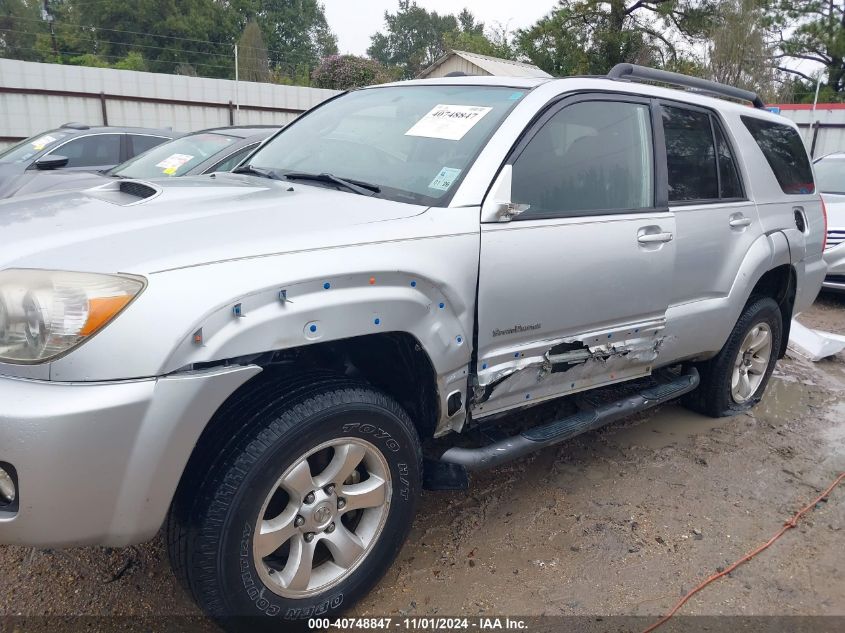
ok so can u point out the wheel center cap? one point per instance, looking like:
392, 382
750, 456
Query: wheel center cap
323, 515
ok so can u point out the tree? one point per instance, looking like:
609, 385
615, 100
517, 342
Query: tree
414, 38
739, 51
812, 30
342, 72
296, 33
165, 33
253, 62
591, 36
20, 29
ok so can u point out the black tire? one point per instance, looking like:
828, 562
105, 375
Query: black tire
713, 396
261, 432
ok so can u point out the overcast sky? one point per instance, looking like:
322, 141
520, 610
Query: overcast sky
355, 21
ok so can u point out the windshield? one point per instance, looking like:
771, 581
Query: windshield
176, 157
830, 175
31, 147
413, 142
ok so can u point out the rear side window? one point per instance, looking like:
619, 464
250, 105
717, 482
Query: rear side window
785, 154
690, 155
142, 142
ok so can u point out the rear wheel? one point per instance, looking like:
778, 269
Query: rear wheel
736, 378
304, 512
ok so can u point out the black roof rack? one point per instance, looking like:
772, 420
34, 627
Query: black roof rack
632, 71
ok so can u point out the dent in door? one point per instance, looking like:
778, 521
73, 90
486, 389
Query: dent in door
567, 365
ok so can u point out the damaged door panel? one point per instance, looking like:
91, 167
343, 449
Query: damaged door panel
566, 366
573, 292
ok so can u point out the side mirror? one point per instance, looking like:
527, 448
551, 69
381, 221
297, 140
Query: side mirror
498, 206
51, 161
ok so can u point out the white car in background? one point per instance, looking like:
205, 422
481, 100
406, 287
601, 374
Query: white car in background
830, 176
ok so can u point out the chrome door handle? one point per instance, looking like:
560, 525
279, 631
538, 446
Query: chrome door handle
740, 222
653, 238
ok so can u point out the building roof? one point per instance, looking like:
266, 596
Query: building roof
492, 65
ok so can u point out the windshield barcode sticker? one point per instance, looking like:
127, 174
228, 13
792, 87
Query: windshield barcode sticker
44, 141
450, 122
445, 178
172, 163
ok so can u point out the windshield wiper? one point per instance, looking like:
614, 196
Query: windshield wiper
256, 171
356, 186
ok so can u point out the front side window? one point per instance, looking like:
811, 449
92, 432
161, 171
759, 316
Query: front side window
590, 156
690, 155
91, 151
176, 157
785, 153
415, 143
729, 183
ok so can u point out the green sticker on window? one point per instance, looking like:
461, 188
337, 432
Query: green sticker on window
444, 179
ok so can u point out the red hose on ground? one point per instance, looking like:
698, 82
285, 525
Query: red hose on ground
791, 523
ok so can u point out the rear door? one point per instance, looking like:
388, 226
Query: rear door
716, 222
573, 292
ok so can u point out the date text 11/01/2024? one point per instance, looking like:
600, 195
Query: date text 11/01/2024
419, 624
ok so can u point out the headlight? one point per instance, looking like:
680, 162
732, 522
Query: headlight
45, 313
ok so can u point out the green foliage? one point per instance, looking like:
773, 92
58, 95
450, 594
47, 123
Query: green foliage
414, 38
342, 72
191, 37
133, 61
812, 30
295, 32
591, 36
253, 60
18, 38
87, 59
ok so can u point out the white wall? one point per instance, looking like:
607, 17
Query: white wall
22, 115
829, 139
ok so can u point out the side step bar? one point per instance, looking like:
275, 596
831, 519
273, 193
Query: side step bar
561, 430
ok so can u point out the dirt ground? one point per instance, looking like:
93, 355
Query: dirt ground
621, 521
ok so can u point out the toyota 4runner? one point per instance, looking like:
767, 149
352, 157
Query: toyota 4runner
258, 361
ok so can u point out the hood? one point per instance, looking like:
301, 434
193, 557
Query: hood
36, 181
187, 221
9, 173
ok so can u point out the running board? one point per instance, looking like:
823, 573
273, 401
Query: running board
561, 430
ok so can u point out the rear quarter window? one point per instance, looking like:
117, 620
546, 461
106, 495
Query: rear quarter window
785, 153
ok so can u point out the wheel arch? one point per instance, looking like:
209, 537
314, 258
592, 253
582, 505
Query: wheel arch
393, 362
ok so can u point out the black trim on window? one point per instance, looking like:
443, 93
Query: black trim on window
715, 120
561, 102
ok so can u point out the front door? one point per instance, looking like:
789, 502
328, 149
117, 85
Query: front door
573, 291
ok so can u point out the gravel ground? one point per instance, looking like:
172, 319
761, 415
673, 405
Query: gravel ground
621, 521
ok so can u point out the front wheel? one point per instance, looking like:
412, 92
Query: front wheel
736, 378
304, 513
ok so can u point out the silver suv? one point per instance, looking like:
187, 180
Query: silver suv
259, 361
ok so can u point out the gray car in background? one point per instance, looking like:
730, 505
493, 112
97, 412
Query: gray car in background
73, 147
830, 175
203, 152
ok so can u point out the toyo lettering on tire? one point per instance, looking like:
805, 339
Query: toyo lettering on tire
303, 509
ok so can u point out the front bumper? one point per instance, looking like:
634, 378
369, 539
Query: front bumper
98, 463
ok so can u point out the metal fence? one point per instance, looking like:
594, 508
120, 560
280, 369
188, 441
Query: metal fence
35, 97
